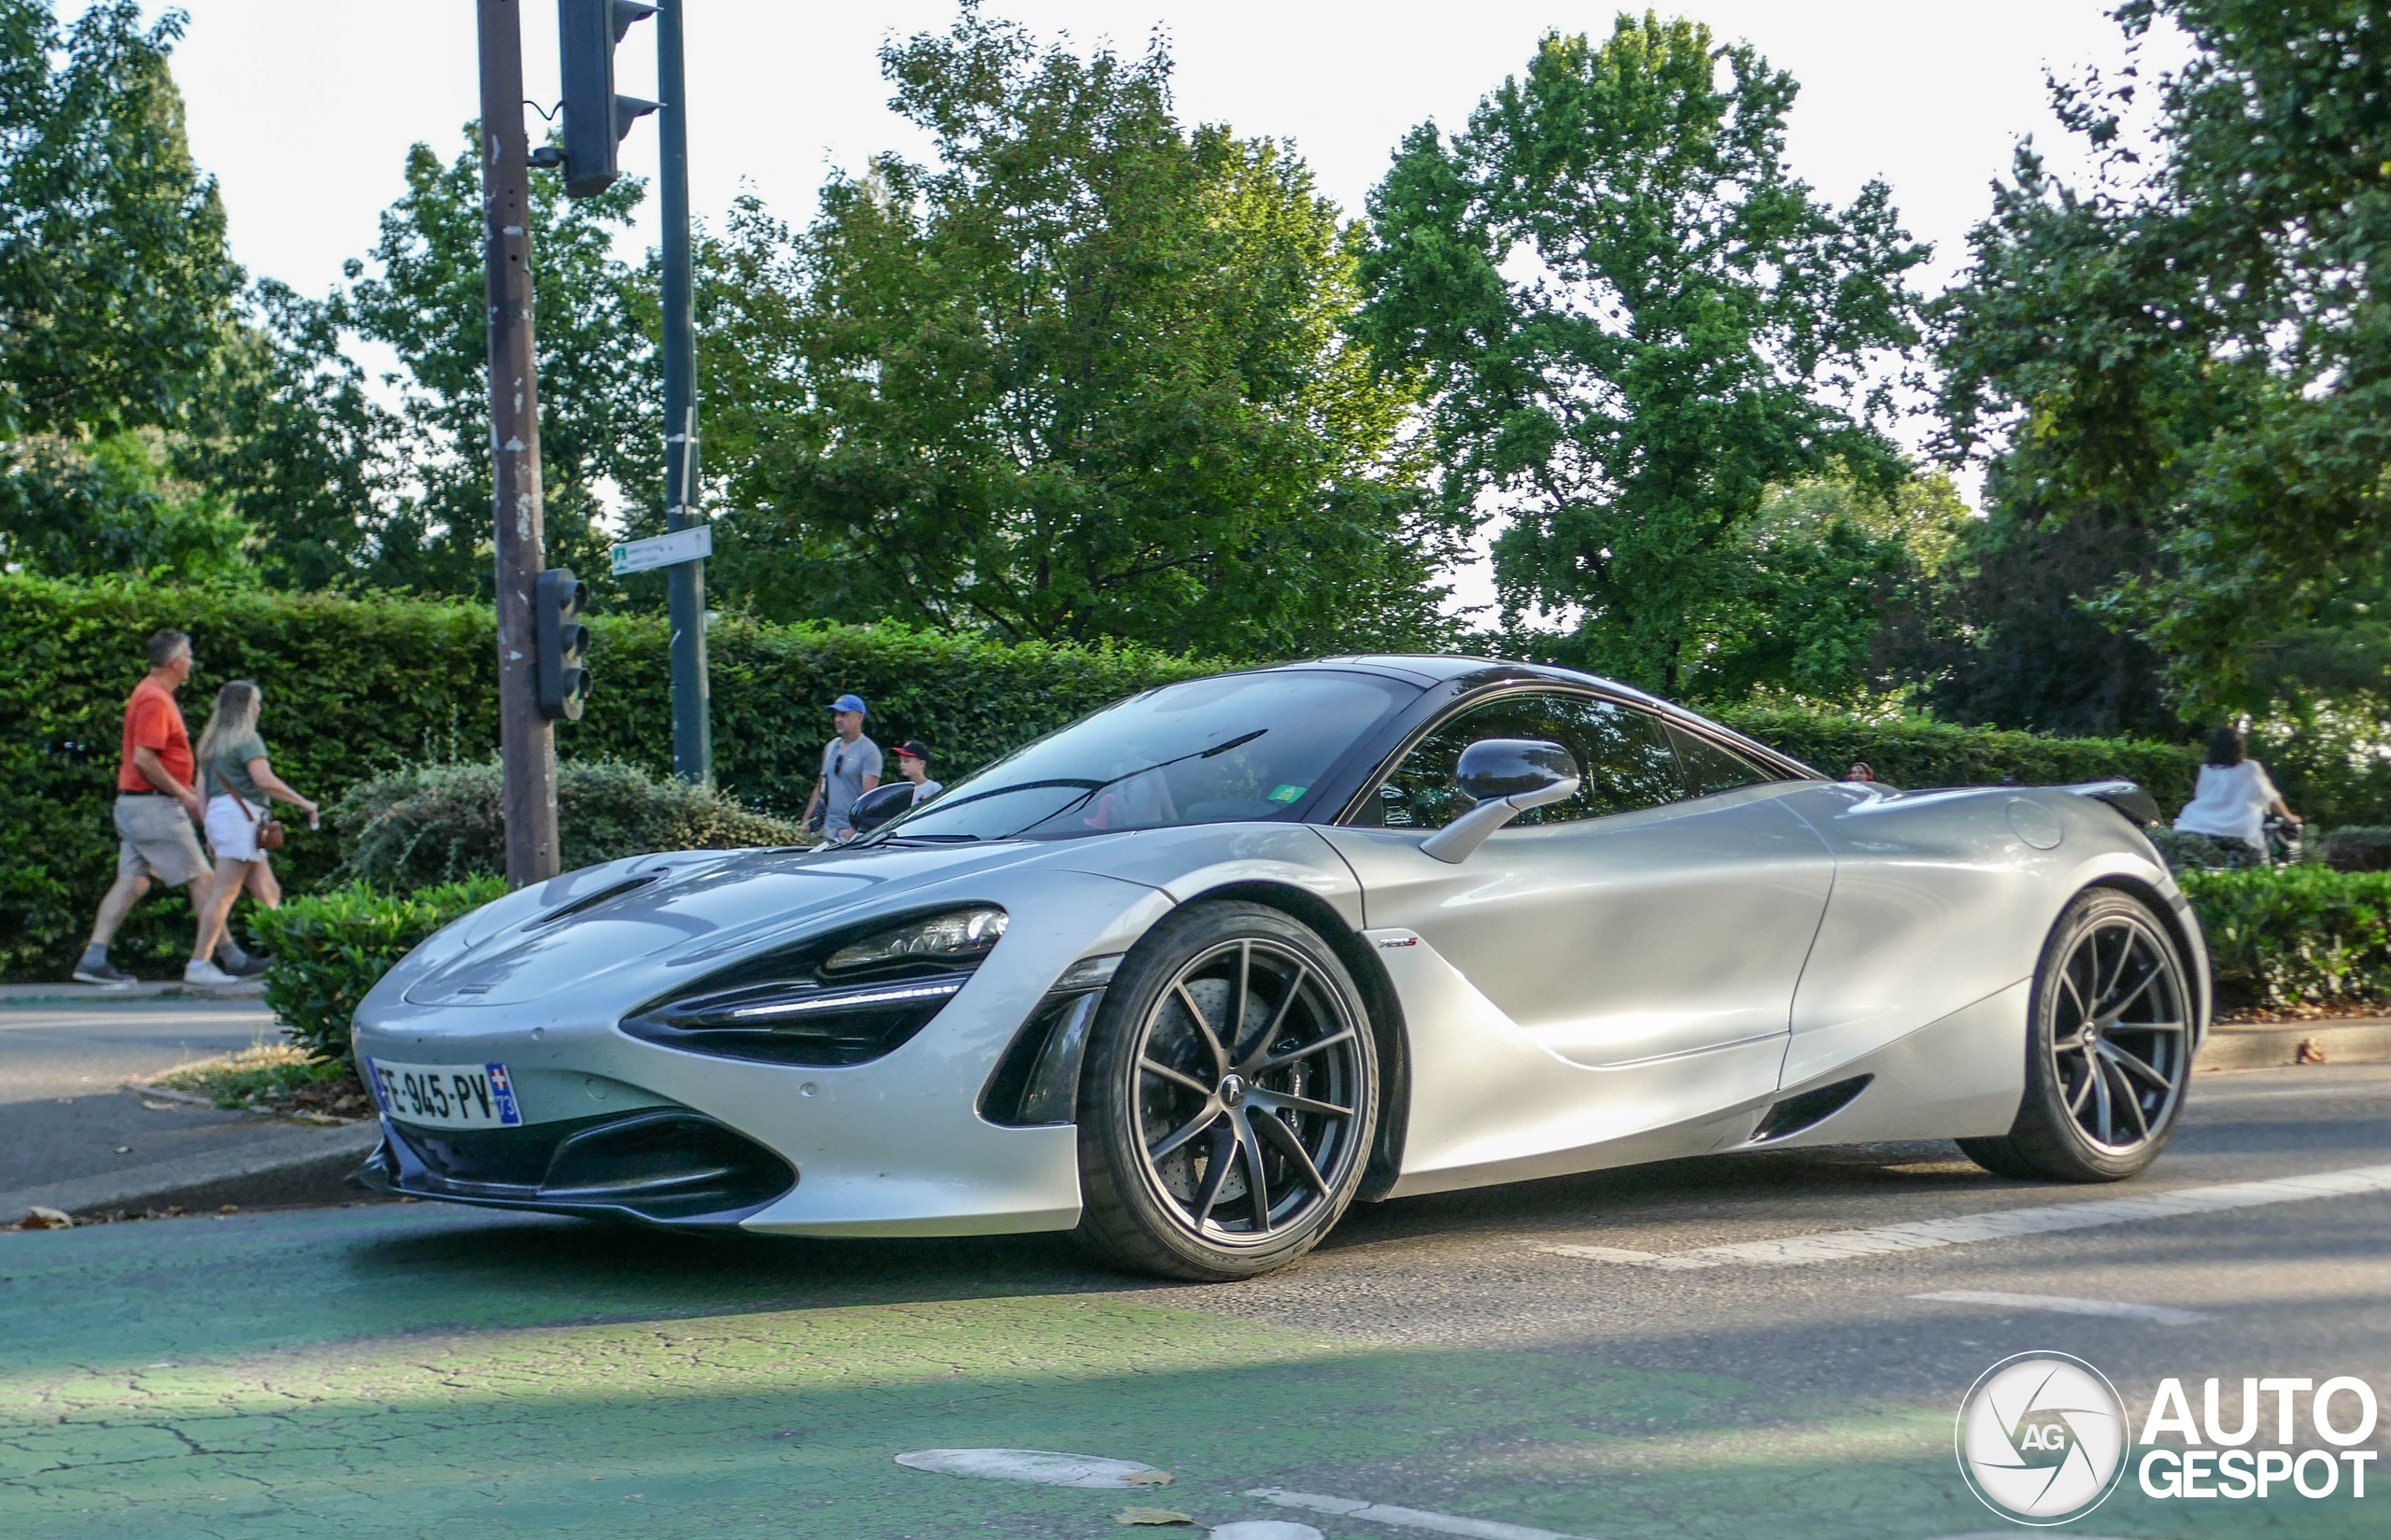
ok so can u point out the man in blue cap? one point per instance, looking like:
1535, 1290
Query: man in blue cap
850, 768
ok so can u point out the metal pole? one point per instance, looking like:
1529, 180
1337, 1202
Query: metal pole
692, 704
527, 742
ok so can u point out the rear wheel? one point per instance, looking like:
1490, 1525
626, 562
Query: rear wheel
1229, 1098
2109, 1048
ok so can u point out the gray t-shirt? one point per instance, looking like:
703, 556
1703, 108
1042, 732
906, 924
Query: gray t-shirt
227, 769
843, 767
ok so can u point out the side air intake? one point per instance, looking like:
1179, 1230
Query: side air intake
1795, 1113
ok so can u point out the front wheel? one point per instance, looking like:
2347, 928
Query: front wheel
2109, 1048
1229, 1098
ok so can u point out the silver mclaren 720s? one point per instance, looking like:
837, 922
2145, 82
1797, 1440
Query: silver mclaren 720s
1193, 973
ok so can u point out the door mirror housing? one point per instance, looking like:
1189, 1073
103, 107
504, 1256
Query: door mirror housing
880, 804
1512, 766
1506, 776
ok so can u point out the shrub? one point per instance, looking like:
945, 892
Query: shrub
1913, 753
2296, 934
2185, 852
329, 948
439, 823
2354, 849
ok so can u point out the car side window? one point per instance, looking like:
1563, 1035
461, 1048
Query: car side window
1623, 754
1710, 769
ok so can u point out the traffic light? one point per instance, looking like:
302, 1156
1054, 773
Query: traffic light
595, 118
562, 642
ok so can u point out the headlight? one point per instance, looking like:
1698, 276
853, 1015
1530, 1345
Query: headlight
958, 935
840, 998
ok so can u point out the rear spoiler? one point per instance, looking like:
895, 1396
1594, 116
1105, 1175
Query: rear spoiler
2127, 796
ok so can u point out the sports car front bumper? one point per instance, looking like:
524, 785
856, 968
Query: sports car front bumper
615, 1126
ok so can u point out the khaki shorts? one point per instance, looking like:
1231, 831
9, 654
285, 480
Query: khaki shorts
155, 839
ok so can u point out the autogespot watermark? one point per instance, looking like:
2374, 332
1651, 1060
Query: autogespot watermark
2044, 1438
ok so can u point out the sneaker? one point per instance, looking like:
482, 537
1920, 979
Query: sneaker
99, 970
207, 973
243, 964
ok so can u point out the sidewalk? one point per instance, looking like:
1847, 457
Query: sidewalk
71, 1137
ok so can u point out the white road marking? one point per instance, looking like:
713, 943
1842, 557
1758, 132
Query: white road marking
2011, 1535
1043, 1467
1603, 1253
1409, 1519
1919, 1234
2063, 1305
1265, 1529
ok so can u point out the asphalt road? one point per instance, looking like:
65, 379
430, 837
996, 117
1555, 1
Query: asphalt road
61, 1113
1552, 1356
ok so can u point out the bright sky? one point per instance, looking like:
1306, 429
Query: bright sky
304, 109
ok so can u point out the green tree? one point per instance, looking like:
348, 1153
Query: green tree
1633, 322
1083, 377
114, 295
601, 420
285, 428
106, 506
2197, 347
1817, 566
113, 272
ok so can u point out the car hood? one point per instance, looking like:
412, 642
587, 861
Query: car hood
700, 906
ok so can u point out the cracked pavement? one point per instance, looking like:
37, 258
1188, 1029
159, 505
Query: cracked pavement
406, 1370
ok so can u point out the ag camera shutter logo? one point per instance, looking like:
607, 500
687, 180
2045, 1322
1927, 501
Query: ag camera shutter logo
2042, 1439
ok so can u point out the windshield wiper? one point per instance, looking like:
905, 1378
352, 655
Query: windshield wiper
1222, 748
1236, 742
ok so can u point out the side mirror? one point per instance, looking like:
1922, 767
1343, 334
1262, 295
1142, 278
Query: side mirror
1512, 766
880, 804
1506, 776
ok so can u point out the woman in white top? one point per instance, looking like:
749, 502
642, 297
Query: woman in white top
2233, 798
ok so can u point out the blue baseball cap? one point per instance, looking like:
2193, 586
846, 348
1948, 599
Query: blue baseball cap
849, 703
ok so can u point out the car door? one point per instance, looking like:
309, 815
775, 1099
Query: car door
1615, 964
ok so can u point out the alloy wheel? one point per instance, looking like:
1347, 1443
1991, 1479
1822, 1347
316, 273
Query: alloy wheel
1249, 1092
2120, 1035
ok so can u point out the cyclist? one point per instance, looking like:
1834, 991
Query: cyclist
2232, 800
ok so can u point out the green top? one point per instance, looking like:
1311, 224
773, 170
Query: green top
228, 768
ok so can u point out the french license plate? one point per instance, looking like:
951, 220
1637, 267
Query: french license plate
447, 1095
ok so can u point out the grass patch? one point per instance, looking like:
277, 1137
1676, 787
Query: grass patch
270, 1077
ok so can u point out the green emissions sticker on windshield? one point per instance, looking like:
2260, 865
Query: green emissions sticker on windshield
1288, 794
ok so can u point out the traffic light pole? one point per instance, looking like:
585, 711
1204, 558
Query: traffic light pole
527, 742
692, 706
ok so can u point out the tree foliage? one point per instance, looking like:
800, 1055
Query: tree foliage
348, 486
2198, 345
1080, 377
113, 272
1633, 322
114, 292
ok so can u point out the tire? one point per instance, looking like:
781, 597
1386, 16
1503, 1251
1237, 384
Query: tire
1223, 1126
2108, 1048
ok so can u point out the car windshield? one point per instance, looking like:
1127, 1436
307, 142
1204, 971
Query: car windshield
1212, 751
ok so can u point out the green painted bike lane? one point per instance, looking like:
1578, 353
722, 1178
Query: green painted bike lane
402, 1372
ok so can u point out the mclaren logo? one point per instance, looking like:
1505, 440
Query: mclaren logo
2042, 1439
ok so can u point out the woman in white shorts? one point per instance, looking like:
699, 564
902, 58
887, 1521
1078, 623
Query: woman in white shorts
237, 782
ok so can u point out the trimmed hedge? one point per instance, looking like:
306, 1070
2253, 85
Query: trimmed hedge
440, 823
2296, 934
356, 688
1913, 753
329, 948
360, 688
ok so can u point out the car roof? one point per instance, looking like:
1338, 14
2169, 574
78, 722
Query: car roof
1429, 669
1436, 669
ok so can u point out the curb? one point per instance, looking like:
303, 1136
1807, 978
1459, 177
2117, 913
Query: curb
72, 994
2270, 1044
303, 1166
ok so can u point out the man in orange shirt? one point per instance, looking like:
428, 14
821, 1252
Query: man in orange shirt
155, 803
